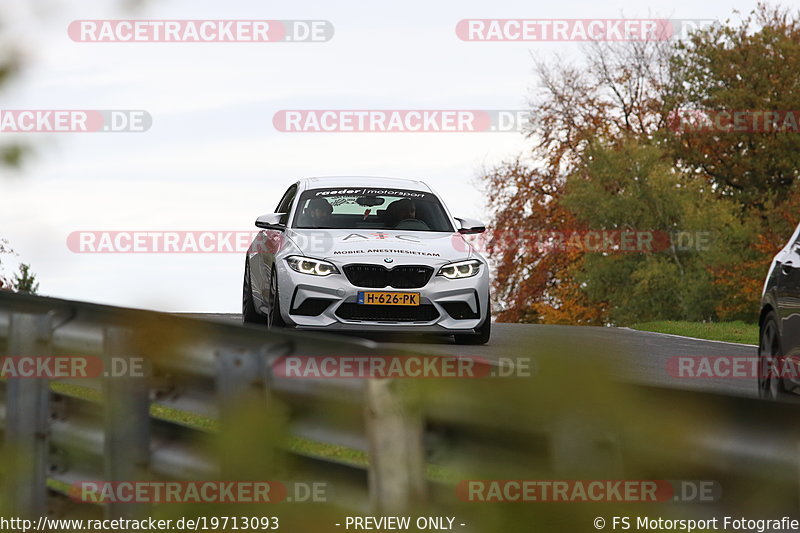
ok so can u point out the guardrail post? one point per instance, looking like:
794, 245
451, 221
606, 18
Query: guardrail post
239, 375
580, 448
396, 454
27, 419
127, 421
237, 369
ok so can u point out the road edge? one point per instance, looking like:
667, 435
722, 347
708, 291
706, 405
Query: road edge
690, 338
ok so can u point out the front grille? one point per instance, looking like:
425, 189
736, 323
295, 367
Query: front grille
389, 313
378, 277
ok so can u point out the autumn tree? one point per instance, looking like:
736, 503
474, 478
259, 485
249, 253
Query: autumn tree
752, 68
619, 93
632, 185
605, 154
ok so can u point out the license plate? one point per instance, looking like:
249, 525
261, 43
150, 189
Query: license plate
388, 298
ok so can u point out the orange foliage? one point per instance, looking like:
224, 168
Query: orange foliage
743, 282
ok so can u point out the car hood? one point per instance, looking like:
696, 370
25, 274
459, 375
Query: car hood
402, 247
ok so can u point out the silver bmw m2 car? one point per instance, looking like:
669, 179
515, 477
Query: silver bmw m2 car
367, 254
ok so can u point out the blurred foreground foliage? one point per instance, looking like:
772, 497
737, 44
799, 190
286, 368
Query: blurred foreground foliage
569, 420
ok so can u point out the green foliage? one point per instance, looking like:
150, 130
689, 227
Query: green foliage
632, 185
753, 66
25, 280
12, 155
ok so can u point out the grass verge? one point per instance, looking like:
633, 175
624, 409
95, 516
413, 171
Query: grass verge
297, 445
737, 331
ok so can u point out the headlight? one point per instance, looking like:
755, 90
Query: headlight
461, 269
315, 267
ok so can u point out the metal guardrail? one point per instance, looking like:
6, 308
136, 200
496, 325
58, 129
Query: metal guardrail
197, 366
209, 368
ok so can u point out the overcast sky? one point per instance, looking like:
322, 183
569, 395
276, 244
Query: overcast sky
212, 159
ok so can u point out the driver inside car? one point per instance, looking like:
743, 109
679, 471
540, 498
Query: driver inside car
401, 210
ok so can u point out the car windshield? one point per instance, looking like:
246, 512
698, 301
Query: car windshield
368, 208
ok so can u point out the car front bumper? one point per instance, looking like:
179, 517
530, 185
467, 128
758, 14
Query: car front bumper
469, 296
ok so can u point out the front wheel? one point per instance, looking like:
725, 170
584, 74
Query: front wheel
769, 359
483, 332
274, 317
249, 314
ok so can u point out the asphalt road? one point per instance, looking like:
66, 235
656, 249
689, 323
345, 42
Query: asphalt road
635, 356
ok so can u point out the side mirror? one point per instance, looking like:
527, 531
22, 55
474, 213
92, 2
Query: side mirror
271, 221
470, 226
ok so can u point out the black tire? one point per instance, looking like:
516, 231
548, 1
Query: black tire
274, 317
483, 332
249, 314
769, 347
